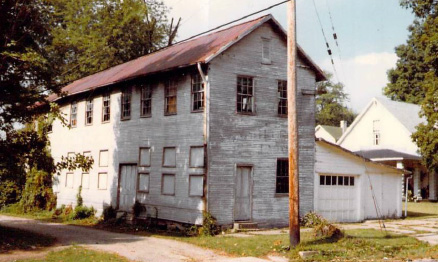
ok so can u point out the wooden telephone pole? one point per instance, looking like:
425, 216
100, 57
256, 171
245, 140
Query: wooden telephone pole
294, 220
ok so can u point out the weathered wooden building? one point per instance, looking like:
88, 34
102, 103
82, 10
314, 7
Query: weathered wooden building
200, 125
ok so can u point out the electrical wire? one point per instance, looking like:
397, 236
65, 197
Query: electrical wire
329, 51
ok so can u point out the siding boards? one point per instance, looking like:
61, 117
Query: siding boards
256, 139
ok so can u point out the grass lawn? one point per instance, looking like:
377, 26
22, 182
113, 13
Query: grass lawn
14, 239
78, 254
421, 209
357, 245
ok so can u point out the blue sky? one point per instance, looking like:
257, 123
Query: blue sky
367, 30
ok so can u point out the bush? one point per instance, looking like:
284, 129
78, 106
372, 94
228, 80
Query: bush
79, 199
109, 213
209, 225
321, 226
82, 212
38, 193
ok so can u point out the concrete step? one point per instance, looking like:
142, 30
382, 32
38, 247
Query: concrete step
245, 226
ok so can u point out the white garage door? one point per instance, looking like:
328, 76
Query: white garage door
337, 198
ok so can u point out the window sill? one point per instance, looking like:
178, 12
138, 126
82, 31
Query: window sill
197, 111
245, 114
281, 195
282, 116
170, 114
105, 122
146, 116
125, 119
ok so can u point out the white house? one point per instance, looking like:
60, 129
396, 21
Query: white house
351, 188
382, 132
197, 126
330, 133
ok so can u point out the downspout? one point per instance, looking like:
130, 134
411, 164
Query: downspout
206, 84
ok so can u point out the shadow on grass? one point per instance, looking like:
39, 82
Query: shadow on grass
420, 214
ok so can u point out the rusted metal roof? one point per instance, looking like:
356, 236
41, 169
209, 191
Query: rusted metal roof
202, 49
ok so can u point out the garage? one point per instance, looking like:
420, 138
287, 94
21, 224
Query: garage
350, 188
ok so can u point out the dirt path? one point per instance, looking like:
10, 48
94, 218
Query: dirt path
136, 248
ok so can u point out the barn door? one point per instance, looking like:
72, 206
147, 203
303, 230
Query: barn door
242, 206
127, 187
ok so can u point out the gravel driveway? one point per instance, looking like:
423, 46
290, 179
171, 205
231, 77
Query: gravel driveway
136, 248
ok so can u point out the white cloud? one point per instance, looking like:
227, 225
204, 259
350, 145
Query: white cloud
364, 76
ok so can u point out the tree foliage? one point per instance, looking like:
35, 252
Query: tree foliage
330, 104
92, 35
415, 77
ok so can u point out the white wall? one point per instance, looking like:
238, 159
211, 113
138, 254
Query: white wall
386, 182
393, 135
80, 139
322, 133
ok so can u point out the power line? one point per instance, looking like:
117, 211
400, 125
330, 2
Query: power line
329, 51
244, 17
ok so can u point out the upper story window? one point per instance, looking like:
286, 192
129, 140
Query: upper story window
106, 110
376, 132
266, 51
282, 98
74, 114
282, 185
126, 104
89, 112
245, 94
170, 91
197, 93
146, 101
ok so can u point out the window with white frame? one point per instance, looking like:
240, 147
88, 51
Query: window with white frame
103, 158
196, 185
145, 156
85, 181
266, 50
102, 181
170, 97
197, 156
169, 157
126, 103
197, 93
282, 97
245, 94
74, 114
106, 108
335, 180
146, 101
89, 112
143, 183
376, 132
168, 184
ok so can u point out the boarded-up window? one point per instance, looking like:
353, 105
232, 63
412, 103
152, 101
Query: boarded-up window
74, 114
126, 104
196, 185
168, 184
245, 95
103, 158
282, 185
145, 156
197, 93
146, 101
85, 181
69, 180
169, 157
102, 182
266, 51
106, 108
170, 97
89, 112
197, 156
282, 98
143, 183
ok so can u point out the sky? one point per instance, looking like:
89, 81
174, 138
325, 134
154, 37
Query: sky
367, 31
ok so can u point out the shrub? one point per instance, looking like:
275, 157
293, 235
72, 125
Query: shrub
109, 213
82, 212
209, 225
79, 199
321, 227
38, 193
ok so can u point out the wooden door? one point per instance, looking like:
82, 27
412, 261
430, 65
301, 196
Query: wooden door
127, 187
242, 206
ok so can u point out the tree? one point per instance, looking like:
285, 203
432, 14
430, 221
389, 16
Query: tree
330, 104
415, 78
93, 35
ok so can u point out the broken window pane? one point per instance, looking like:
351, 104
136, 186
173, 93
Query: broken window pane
245, 102
170, 95
197, 93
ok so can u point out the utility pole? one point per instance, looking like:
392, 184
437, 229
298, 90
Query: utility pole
294, 207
